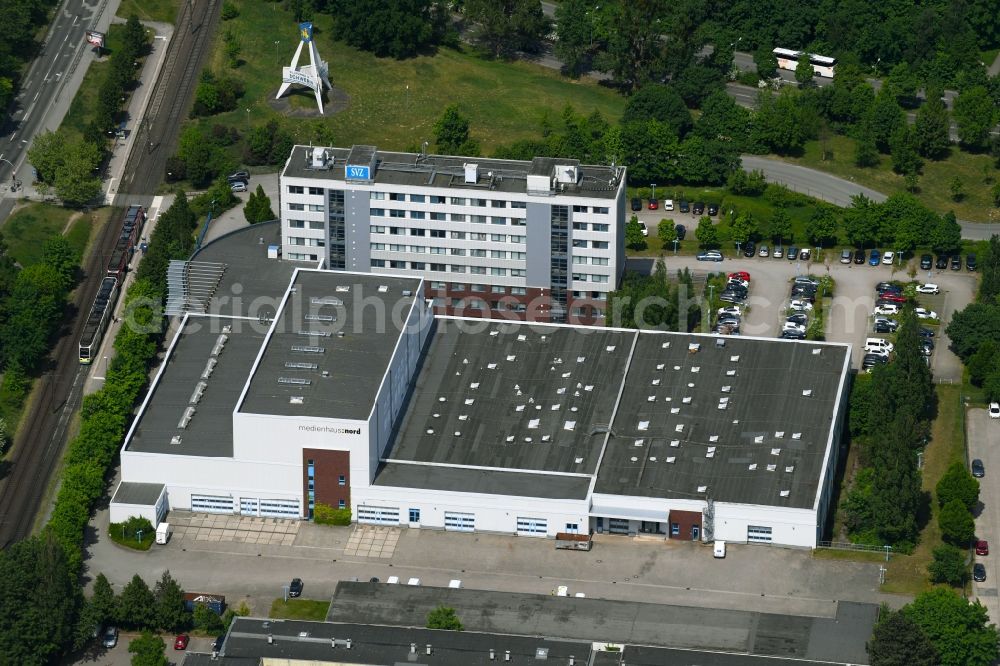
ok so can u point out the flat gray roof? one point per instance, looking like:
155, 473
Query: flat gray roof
462, 480
209, 431
443, 171
672, 434
514, 395
343, 324
836, 639
142, 494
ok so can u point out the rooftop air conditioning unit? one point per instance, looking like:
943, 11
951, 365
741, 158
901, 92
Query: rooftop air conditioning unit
471, 173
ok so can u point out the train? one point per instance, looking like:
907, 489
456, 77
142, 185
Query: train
102, 310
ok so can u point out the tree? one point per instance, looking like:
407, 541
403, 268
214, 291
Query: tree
574, 34
931, 129
666, 232
45, 154
635, 53
948, 566
169, 605
205, 619
899, 641
982, 364
505, 27
957, 189
884, 119
60, 255
865, 151
103, 602
451, 131
633, 235
148, 650
780, 226
136, 605
658, 102
903, 83
443, 617
706, 233
782, 123
822, 225
804, 71
958, 484
722, 119
946, 236
393, 28
975, 113
972, 326
905, 158
907, 222
767, 64
958, 630
258, 207
743, 228
956, 523
989, 287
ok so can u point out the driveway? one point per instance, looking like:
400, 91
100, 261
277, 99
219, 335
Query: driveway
984, 443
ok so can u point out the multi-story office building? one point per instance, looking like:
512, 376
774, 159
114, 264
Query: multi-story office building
540, 240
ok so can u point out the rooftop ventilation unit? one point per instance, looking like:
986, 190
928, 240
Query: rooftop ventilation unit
727, 388
785, 493
693, 348
779, 434
569, 425
317, 317
807, 393
817, 351
383, 288
671, 459
721, 342
771, 468
735, 358
752, 467
675, 443
407, 292
199, 390
796, 435
220, 342
297, 365
471, 173
702, 489
310, 334
295, 381
342, 288
175, 440
296, 400
643, 425
209, 367
186, 417
308, 349
329, 300
790, 468
775, 452
227, 329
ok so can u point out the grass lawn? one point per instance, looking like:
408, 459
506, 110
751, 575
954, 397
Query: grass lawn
81, 110
164, 11
933, 185
129, 540
907, 574
299, 609
32, 225
394, 104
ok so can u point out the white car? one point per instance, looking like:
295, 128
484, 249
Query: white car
797, 304
888, 258
668, 204
887, 309
642, 226
734, 310
995, 410
878, 345
928, 289
923, 313
792, 326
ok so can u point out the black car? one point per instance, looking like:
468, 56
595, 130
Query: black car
239, 177
978, 470
713, 209
636, 204
698, 208
732, 297
978, 572
749, 249
956, 262
217, 643
295, 588
872, 360
798, 318
926, 261
926, 333
793, 253
941, 263
789, 334
684, 206
859, 256
680, 231
884, 327
883, 287
970, 262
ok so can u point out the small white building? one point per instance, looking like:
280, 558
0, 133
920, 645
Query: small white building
344, 389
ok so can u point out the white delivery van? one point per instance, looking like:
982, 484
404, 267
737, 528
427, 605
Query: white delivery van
162, 533
719, 550
878, 345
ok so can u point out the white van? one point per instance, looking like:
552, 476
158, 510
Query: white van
719, 550
878, 345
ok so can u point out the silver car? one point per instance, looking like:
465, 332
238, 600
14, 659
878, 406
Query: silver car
110, 637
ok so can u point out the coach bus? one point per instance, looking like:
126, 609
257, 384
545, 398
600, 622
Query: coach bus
788, 59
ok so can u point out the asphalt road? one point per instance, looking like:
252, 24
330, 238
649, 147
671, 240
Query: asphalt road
984, 443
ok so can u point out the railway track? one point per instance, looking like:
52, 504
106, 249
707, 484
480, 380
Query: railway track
27, 471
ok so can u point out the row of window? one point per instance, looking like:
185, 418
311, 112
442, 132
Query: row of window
448, 268
298, 189
583, 226
442, 217
596, 261
453, 251
588, 312
309, 242
305, 224
477, 304
314, 208
454, 235
495, 289
597, 245
438, 199
301, 256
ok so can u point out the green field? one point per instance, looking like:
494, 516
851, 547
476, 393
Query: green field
934, 182
81, 110
393, 104
299, 609
28, 228
164, 11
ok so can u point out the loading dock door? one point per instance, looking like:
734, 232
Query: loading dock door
212, 503
532, 526
378, 515
459, 522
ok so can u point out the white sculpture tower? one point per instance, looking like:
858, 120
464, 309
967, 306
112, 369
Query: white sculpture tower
313, 75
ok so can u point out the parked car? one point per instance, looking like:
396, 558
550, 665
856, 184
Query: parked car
927, 343
110, 637
764, 251
719, 550
978, 470
684, 206
874, 258
978, 573
710, 255
778, 252
970, 262
732, 297
743, 275
636, 204
883, 325
928, 288
941, 263
713, 209
792, 326
859, 257
956, 262
698, 208
731, 322
845, 256
878, 345
731, 310
681, 231
243, 176
924, 313
805, 254
798, 318
793, 253
653, 204
793, 335
926, 261
238, 186
892, 297
871, 360
749, 249
887, 309
643, 229
995, 410
883, 287
181, 642
295, 587
806, 279
668, 204
926, 333
888, 258
800, 304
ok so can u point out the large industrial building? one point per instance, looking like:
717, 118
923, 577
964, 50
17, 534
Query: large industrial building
540, 240
301, 386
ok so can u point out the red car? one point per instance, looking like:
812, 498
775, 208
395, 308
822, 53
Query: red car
742, 275
982, 547
654, 204
181, 642
893, 298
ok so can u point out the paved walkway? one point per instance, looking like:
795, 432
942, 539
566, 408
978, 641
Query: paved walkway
188, 526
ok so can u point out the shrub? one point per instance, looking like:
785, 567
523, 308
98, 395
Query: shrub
443, 617
127, 533
324, 514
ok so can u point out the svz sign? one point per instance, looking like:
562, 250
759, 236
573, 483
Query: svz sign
358, 172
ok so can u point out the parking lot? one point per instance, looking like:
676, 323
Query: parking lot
984, 443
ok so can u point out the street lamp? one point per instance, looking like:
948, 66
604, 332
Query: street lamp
276, 42
248, 118
652, 187
738, 249
676, 241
